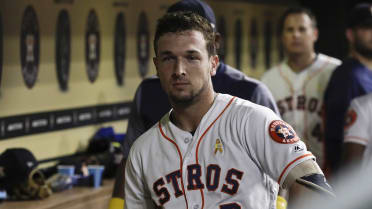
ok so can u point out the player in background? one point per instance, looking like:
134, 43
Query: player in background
299, 82
151, 102
358, 133
210, 150
351, 79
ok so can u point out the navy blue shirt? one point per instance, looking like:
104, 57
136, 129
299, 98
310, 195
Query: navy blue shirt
349, 80
151, 102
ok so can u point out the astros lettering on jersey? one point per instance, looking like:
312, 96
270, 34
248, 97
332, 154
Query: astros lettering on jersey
223, 165
299, 97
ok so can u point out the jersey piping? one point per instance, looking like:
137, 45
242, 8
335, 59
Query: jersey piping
201, 138
181, 161
197, 150
360, 140
289, 164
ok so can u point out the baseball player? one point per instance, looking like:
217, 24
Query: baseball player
358, 132
350, 80
210, 150
299, 82
151, 102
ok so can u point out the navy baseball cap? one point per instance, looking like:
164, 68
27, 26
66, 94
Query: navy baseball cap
15, 166
196, 6
361, 15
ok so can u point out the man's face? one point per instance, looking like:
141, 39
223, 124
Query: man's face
362, 41
184, 66
298, 35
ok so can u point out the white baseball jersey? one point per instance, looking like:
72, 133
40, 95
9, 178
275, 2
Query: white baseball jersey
299, 97
358, 127
225, 164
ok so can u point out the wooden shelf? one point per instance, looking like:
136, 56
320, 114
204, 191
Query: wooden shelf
75, 198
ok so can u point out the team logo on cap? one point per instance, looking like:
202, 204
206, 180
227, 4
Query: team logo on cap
350, 118
282, 132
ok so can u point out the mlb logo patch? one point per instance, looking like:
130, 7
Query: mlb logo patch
282, 132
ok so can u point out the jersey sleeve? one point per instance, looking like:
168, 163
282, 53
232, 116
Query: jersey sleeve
357, 122
135, 126
275, 146
136, 195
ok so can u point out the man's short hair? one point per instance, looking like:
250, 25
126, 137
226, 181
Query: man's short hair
360, 16
177, 22
296, 10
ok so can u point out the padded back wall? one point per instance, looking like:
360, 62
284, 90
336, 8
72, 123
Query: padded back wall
45, 95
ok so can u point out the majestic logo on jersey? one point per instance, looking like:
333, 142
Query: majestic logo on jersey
218, 146
298, 148
351, 117
282, 132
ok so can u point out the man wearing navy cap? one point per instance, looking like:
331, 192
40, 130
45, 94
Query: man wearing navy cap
151, 102
351, 79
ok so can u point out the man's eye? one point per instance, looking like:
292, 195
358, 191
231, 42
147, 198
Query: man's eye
166, 58
192, 58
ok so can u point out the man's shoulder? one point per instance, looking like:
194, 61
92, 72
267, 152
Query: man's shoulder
332, 61
150, 82
235, 76
348, 65
145, 141
363, 101
345, 71
272, 72
242, 106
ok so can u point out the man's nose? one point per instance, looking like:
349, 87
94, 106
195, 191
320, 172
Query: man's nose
179, 67
296, 33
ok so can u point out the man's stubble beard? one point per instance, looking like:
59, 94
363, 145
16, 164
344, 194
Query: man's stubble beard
360, 47
190, 99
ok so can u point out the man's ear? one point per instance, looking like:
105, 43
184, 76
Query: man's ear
316, 34
214, 62
218, 40
349, 35
155, 60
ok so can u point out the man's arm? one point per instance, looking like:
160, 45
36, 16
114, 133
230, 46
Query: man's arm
336, 102
118, 191
134, 129
136, 125
117, 199
306, 179
135, 193
353, 153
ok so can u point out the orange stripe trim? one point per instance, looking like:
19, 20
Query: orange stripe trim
357, 138
200, 139
285, 169
287, 80
181, 161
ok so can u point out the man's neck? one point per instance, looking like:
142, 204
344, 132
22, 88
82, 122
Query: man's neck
362, 59
188, 117
299, 62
